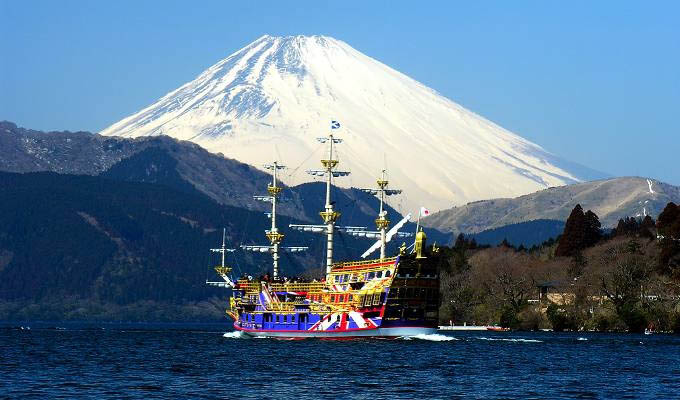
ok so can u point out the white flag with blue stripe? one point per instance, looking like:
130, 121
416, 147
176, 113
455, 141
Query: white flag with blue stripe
335, 124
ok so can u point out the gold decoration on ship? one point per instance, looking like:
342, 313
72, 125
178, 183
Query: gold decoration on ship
329, 164
329, 216
274, 237
382, 222
223, 270
274, 190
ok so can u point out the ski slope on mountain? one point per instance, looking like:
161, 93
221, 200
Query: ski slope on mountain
272, 98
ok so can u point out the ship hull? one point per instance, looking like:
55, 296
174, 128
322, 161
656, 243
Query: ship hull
346, 334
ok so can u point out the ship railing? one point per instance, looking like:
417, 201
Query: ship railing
296, 287
364, 264
255, 286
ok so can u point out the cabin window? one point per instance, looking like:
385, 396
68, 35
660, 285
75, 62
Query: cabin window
378, 274
371, 275
349, 297
292, 319
388, 274
382, 297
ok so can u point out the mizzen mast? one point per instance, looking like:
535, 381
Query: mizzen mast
382, 222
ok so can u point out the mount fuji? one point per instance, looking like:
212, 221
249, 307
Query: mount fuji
272, 98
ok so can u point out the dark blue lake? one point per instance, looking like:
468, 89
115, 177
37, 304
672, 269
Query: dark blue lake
197, 361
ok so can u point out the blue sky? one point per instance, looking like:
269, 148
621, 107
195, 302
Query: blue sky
597, 83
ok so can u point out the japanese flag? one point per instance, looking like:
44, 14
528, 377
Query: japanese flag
424, 212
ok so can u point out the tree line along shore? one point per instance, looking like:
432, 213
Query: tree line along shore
626, 280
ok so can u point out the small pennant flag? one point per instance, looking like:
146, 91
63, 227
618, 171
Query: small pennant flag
335, 125
424, 212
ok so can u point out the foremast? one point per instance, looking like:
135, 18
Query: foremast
275, 237
223, 270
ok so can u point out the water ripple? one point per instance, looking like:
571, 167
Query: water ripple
142, 362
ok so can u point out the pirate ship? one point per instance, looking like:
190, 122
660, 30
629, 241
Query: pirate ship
385, 297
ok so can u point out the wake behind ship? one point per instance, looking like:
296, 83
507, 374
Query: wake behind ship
386, 297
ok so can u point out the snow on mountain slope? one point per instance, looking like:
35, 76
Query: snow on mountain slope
276, 95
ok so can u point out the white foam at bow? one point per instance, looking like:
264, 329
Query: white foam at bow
235, 335
433, 337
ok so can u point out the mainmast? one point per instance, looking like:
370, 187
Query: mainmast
274, 236
329, 215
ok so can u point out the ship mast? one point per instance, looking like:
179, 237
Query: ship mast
382, 222
274, 236
329, 215
223, 270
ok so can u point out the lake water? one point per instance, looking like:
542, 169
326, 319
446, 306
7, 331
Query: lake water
200, 361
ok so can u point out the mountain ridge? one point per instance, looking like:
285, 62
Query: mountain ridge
181, 165
283, 91
611, 199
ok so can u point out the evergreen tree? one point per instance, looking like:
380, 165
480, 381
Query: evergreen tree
646, 227
581, 230
647, 222
592, 233
668, 227
574, 232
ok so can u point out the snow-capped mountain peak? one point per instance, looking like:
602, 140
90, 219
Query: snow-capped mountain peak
274, 96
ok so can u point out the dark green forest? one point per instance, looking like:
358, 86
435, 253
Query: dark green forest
92, 247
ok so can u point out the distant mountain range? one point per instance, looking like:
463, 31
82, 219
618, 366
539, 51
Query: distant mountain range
178, 164
610, 199
278, 94
104, 227
125, 227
